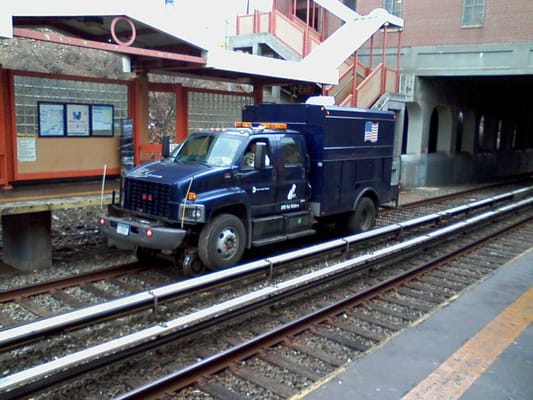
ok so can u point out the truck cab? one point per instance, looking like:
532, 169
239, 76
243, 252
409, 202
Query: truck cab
277, 176
208, 200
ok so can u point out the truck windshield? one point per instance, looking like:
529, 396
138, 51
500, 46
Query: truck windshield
212, 149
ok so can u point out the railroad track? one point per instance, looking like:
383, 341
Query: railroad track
24, 304
48, 298
44, 299
295, 355
421, 221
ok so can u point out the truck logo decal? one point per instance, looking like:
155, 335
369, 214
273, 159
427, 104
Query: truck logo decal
292, 193
371, 132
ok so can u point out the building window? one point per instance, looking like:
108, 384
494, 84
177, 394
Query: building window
394, 7
473, 13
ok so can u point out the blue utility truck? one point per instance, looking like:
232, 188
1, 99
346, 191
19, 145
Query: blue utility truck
282, 173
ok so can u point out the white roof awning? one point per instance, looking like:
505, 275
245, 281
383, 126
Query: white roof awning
161, 33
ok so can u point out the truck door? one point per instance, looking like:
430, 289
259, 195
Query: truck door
259, 183
292, 190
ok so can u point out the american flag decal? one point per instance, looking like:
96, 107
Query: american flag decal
371, 131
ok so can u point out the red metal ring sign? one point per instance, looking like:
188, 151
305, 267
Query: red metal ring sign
114, 23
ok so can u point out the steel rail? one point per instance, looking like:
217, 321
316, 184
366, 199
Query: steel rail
19, 383
522, 180
17, 335
44, 287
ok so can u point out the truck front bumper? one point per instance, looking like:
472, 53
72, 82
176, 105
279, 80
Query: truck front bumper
128, 233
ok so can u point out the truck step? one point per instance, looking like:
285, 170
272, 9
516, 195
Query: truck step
296, 235
281, 238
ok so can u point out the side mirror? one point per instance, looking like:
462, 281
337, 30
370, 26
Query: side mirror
260, 153
165, 151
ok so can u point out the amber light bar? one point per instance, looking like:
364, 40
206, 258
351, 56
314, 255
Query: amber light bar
267, 125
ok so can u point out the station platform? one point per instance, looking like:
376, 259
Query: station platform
52, 196
26, 213
479, 346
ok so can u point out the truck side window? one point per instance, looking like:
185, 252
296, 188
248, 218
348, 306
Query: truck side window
249, 156
291, 151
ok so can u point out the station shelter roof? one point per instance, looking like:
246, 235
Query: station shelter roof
158, 42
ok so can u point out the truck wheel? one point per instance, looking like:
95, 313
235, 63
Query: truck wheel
222, 242
364, 216
145, 256
193, 267
188, 262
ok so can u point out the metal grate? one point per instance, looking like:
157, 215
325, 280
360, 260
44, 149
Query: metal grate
148, 197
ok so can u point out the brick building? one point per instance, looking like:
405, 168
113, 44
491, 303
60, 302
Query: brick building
465, 78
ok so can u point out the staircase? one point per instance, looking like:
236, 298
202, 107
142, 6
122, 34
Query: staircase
363, 86
288, 37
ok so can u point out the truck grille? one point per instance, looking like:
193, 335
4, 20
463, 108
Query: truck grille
147, 197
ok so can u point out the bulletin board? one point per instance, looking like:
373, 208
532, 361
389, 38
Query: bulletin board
41, 157
75, 119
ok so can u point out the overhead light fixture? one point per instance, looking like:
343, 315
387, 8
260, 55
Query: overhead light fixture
126, 64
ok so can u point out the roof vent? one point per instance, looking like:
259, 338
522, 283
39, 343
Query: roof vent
321, 100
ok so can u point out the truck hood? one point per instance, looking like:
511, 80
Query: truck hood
153, 188
168, 172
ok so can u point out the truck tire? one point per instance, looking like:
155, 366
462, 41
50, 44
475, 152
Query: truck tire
145, 256
364, 216
222, 242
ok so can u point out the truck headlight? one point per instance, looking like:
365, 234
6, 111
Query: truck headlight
192, 213
196, 213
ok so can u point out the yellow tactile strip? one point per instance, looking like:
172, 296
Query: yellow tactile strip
453, 377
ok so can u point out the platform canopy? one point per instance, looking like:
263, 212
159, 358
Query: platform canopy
155, 40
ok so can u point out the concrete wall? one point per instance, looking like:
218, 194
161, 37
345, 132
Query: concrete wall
441, 169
